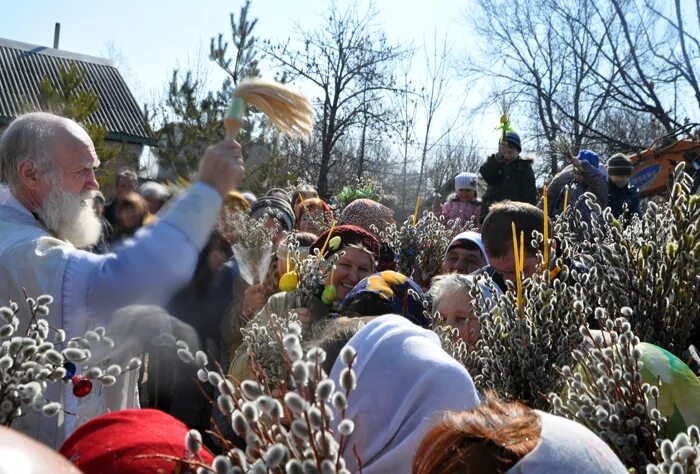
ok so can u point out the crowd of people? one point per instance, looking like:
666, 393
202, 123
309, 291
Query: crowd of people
155, 260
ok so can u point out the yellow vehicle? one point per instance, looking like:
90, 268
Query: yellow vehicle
653, 167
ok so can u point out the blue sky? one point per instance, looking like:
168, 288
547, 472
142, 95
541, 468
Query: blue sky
149, 38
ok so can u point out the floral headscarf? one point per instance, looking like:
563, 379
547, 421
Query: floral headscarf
365, 213
391, 290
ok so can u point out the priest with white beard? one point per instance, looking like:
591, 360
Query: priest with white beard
47, 165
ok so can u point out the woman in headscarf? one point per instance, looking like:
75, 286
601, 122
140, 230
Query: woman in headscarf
499, 437
384, 293
374, 218
465, 254
302, 193
313, 216
155, 195
405, 383
360, 251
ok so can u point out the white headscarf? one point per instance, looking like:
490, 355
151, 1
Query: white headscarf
567, 446
473, 237
405, 382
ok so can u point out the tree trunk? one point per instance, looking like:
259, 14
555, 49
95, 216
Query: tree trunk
361, 164
422, 159
403, 173
322, 185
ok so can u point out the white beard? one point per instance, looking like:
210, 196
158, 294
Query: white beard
71, 217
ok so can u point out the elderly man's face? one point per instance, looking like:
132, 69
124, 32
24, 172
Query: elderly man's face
63, 196
75, 160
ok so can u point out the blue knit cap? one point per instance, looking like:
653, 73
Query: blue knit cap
589, 156
514, 139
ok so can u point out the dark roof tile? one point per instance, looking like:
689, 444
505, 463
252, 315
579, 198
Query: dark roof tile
23, 67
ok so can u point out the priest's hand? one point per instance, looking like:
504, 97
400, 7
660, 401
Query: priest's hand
222, 166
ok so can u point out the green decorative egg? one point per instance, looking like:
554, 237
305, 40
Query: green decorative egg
329, 294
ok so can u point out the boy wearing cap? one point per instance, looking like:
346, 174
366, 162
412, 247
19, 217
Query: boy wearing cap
462, 205
620, 192
507, 175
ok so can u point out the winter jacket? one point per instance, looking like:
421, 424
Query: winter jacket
513, 181
618, 197
594, 181
464, 211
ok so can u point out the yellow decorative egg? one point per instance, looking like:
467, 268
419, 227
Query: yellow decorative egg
289, 281
504, 118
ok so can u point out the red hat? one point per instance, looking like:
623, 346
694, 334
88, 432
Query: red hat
349, 234
111, 443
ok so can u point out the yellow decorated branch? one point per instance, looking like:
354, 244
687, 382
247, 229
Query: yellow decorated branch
519, 261
415, 212
325, 244
505, 126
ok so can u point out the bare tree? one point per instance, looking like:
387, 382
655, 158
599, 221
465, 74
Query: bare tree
454, 155
431, 98
406, 107
551, 67
639, 87
377, 121
681, 54
349, 61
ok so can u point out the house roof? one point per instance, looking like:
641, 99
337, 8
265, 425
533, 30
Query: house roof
23, 68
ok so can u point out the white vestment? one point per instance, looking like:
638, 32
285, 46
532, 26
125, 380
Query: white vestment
88, 288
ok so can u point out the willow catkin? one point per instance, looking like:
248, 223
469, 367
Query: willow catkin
288, 110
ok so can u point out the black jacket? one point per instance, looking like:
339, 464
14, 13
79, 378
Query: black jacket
618, 197
514, 181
